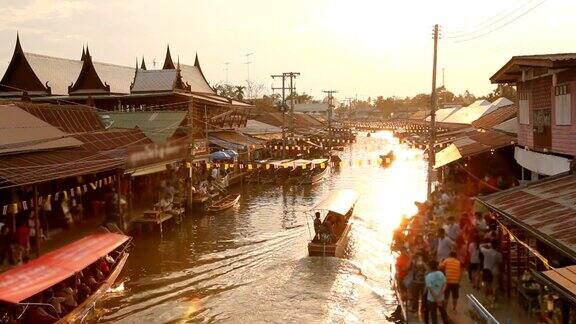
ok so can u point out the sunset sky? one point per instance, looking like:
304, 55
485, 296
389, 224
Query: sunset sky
361, 47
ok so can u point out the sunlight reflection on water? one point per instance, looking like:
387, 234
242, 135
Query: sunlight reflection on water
250, 264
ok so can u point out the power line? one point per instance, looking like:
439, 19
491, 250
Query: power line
486, 22
503, 25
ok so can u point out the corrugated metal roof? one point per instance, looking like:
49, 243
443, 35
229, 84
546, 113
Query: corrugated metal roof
419, 115
510, 126
254, 127
466, 115
471, 143
154, 80
59, 73
101, 151
311, 107
546, 208
159, 126
235, 137
496, 117
68, 118
194, 78
21, 131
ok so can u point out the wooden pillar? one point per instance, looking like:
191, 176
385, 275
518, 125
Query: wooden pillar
37, 221
119, 199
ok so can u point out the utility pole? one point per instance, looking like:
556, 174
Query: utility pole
285, 75
227, 68
248, 62
330, 105
190, 155
431, 149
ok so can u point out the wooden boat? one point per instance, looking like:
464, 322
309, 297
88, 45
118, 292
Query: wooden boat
84, 308
224, 203
338, 209
387, 159
21, 286
318, 173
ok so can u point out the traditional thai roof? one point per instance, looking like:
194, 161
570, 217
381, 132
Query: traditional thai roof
143, 66
147, 81
168, 64
41, 75
88, 81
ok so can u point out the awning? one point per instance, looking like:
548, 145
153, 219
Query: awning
340, 202
472, 144
37, 275
161, 167
541, 163
545, 209
447, 155
563, 280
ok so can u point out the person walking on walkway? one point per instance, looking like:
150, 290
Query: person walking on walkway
418, 269
491, 267
474, 264
445, 245
435, 286
452, 270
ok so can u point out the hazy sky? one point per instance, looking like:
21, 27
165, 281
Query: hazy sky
359, 47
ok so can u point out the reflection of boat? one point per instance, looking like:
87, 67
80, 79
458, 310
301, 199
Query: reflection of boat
318, 173
387, 159
224, 203
22, 285
336, 226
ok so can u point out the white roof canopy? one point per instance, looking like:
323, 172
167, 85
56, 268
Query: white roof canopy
340, 202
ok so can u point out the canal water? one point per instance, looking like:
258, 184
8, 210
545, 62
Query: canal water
250, 263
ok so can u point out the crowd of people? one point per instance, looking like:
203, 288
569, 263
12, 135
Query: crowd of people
448, 237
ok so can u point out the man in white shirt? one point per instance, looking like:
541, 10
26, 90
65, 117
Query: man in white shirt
451, 228
445, 245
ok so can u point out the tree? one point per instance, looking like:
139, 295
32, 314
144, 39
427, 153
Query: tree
502, 90
230, 91
254, 90
300, 98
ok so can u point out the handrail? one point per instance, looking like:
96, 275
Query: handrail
481, 310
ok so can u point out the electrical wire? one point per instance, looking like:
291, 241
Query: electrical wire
487, 22
503, 25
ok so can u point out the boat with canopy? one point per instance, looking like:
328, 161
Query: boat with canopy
23, 289
331, 237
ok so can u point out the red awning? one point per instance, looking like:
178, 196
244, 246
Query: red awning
37, 275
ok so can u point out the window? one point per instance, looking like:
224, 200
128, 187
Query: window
523, 108
562, 105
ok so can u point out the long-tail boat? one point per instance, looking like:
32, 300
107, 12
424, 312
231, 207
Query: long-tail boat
333, 234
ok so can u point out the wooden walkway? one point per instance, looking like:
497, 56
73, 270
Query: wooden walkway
506, 311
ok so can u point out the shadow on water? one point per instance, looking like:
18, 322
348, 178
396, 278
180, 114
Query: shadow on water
250, 263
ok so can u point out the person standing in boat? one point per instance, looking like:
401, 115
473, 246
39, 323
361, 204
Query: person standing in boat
317, 226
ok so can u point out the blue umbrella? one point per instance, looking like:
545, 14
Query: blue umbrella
220, 155
232, 153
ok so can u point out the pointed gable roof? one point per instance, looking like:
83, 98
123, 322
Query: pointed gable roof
88, 81
20, 75
194, 76
143, 66
168, 64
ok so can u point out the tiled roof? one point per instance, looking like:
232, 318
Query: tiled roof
496, 117
194, 78
59, 73
154, 81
